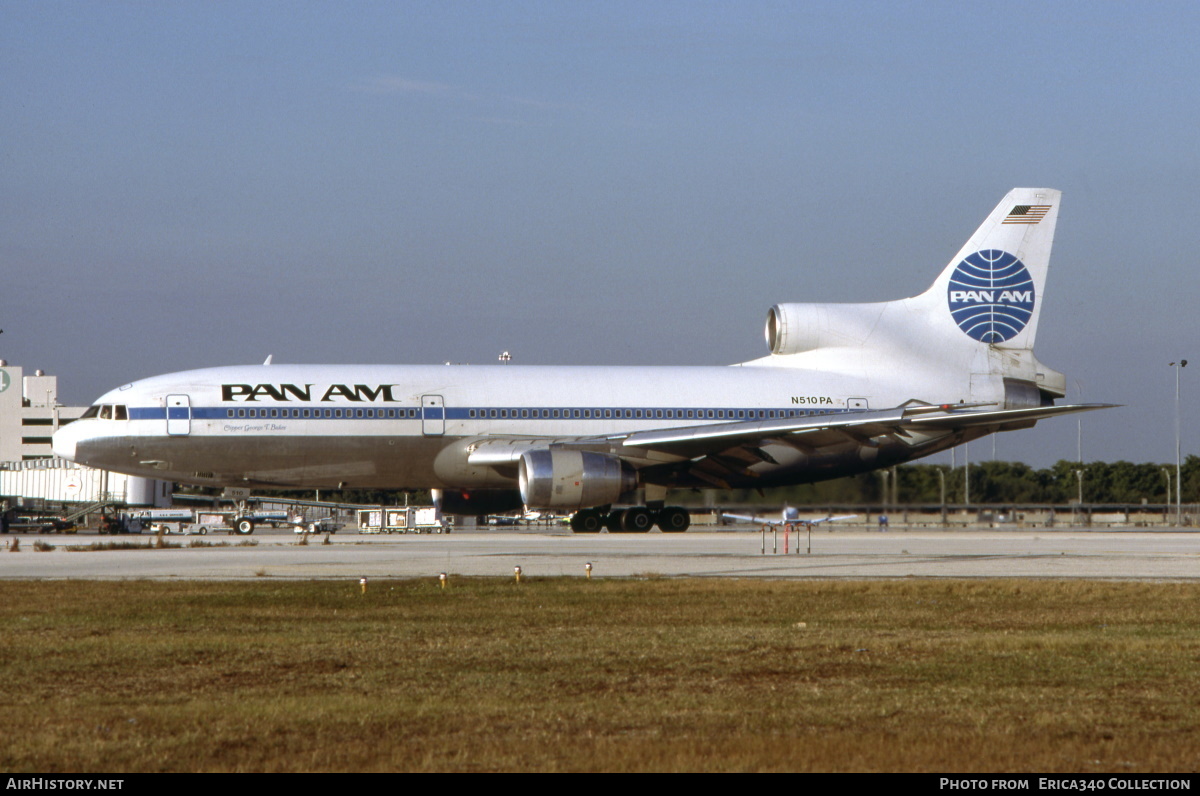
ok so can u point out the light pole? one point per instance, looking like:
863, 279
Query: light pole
942, 479
967, 474
1079, 425
1178, 461
1167, 472
1077, 510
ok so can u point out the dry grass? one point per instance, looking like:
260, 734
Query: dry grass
572, 675
155, 544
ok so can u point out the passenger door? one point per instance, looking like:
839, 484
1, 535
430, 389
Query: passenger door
433, 416
179, 415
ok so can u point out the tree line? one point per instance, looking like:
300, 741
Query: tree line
994, 482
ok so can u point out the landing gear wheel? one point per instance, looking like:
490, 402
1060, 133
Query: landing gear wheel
244, 527
674, 519
637, 520
587, 522
613, 521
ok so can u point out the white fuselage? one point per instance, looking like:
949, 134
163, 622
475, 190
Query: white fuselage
404, 426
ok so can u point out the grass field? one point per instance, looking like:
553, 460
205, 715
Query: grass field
604, 675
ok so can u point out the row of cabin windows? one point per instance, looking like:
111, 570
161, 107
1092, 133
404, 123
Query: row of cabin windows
508, 414
638, 414
119, 412
318, 413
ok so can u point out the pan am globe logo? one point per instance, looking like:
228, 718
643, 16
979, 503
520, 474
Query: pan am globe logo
991, 296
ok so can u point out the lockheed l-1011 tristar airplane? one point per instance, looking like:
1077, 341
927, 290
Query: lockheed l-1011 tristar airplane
846, 388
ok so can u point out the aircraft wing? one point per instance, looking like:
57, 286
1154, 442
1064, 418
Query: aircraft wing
828, 519
757, 519
715, 453
694, 441
720, 455
751, 518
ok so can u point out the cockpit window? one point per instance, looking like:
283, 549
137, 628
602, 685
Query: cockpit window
106, 412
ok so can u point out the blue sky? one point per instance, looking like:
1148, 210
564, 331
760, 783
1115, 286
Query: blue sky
194, 184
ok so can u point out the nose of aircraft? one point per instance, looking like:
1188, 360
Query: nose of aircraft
63, 442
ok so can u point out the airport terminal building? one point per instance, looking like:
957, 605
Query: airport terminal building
29, 415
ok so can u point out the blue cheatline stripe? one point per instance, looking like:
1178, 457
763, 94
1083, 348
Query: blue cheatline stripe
674, 413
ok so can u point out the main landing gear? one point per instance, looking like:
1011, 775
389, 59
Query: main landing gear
637, 519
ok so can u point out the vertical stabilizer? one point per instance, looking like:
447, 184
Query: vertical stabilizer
992, 289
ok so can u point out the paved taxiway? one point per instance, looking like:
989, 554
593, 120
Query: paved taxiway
1059, 553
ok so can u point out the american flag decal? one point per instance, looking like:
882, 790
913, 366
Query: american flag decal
1026, 214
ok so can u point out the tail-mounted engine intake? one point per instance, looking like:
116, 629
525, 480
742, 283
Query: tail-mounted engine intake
796, 328
566, 479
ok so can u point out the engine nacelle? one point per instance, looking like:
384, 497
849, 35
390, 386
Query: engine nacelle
476, 502
567, 479
796, 328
